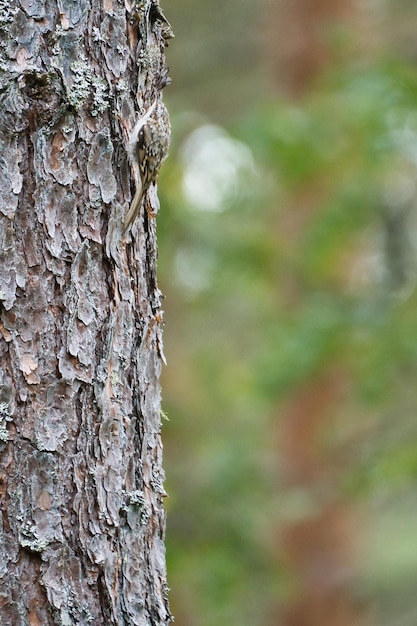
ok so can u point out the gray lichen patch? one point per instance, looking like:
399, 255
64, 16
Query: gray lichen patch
84, 87
11, 179
29, 539
100, 96
7, 12
5, 417
137, 506
80, 88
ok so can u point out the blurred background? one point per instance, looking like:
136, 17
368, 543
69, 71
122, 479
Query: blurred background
288, 258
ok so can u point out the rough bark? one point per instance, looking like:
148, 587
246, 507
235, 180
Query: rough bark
82, 520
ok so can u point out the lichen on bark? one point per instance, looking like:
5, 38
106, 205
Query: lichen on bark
81, 514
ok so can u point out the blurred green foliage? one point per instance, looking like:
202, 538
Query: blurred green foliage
306, 264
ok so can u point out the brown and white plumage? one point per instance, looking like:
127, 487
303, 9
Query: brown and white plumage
149, 146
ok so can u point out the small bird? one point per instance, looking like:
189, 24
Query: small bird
148, 148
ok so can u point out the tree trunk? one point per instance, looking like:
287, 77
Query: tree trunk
82, 520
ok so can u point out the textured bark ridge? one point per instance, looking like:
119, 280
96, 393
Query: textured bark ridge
81, 482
